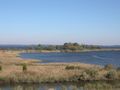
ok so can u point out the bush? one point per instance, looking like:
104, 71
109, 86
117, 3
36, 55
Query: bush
72, 67
0, 68
84, 76
109, 67
111, 75
24, 67
118, 69
90, 74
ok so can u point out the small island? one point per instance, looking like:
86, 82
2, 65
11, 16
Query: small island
67, 47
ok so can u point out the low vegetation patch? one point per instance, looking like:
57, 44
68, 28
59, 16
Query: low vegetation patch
118, 69
24, 67
112, 75
0, 68
90, 74
72, 67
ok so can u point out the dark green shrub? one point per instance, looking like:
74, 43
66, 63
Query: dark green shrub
84, 76
0, 68
24, 67
92, 73
72, 67
109, 66
118, 69
69, 67
111, 74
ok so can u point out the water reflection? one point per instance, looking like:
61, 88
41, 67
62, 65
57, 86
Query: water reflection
65, 86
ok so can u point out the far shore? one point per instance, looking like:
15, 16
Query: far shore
58, 51
14, 69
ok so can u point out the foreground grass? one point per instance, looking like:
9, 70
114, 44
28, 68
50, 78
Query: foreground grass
56, 73
40, 73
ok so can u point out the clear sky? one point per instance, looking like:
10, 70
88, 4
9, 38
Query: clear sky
59, 21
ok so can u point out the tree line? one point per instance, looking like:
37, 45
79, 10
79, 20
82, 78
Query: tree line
66, 46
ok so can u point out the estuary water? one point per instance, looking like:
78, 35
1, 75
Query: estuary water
65, 86
95, 57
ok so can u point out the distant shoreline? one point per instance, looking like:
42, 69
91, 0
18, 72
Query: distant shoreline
59, 51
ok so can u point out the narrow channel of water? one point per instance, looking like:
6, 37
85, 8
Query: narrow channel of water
65, 86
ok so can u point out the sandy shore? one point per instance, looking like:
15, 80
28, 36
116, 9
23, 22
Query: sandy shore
12, 57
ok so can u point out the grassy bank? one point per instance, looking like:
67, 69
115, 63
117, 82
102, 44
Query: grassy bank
16, 70
56, 73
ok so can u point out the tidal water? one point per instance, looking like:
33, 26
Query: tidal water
99, 58
65, 86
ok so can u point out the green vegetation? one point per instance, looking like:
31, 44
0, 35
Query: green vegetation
92, 73
112, 75
0, 68
89, 74
72, 67
118, 69
66, 47
76, 46
24, 67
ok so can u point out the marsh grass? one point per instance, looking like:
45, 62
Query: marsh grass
43, 74
32, 77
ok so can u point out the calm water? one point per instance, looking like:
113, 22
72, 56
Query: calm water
100, 58
65, 86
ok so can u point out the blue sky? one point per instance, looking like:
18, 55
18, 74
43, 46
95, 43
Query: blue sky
59, 21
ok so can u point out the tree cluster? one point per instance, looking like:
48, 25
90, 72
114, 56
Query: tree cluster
66, 46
